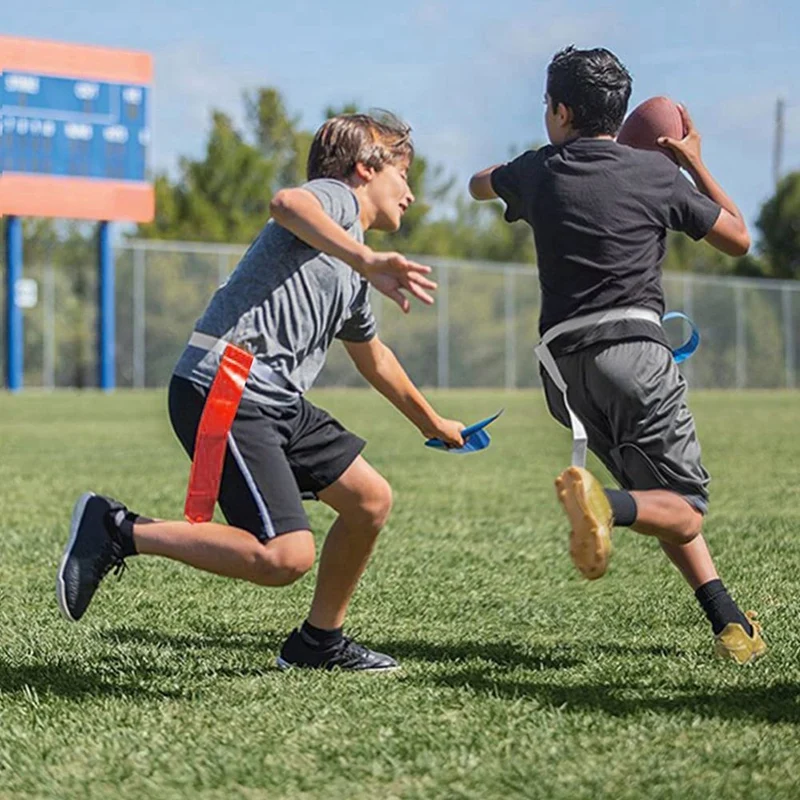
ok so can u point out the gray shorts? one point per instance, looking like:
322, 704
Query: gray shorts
632, 400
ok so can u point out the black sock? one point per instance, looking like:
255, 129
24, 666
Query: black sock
720, 607
623, 507
125, 528
318, 638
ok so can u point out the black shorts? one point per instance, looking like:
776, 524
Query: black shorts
276, 458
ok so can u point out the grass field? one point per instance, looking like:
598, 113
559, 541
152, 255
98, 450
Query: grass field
519, 680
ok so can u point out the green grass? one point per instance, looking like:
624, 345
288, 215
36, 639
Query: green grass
519, 680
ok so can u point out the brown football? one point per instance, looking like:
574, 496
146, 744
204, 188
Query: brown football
653, 118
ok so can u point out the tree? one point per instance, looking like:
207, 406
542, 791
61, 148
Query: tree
779, 225
223, 197
278, 136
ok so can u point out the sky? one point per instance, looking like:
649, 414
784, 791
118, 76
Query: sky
468, 75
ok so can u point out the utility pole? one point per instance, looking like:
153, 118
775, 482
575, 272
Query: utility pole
777, 155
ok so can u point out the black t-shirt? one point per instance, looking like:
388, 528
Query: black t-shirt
600, 213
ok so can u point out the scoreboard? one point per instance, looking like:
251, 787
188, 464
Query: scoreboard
74, 142
63, 126
74, 131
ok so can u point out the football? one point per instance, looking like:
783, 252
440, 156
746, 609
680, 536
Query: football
653, 118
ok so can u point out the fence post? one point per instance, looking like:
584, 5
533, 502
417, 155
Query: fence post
688, 309
511, 330
788, 335
443, 330
49, 327
139, 343
741, 354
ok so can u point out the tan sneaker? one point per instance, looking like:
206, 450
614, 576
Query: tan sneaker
734, 644
589, 512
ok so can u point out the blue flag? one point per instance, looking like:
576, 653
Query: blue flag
475, 437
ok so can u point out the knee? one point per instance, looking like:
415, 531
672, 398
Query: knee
692, 527
377, 504
276, 564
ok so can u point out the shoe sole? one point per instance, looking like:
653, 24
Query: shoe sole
726, 655
585, 505
285, 665
61, 589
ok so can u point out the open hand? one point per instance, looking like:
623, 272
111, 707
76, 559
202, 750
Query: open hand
393, 274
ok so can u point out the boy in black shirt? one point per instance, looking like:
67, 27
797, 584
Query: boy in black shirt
600, 212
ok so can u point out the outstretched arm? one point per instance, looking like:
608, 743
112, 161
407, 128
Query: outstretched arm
480, 184
729, 233
301, 212
379, 365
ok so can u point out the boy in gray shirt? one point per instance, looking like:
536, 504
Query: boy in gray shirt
302, 283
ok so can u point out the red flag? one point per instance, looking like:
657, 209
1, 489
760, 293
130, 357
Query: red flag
212, 433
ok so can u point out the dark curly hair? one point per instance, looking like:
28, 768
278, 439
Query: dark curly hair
594, 85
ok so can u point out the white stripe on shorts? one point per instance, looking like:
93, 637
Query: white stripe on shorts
263, 511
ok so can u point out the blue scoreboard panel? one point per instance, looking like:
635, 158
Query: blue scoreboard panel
72, 127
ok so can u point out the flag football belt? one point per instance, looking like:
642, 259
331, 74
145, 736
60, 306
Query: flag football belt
546, 359
217, 418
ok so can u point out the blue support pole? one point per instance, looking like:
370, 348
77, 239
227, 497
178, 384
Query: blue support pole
106, 334
14, 342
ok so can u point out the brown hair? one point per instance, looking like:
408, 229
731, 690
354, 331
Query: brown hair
373, 139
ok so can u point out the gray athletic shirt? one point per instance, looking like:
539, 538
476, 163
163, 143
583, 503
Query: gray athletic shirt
286, 302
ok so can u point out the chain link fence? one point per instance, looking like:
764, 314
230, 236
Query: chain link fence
480, 333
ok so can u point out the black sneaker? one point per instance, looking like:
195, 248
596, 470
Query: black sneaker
94, 548
347, 654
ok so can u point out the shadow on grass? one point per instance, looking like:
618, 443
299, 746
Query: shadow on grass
209, 639
779, 703
774, 704
503, 654
136, 675
559, 655
73, 681
616, 649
